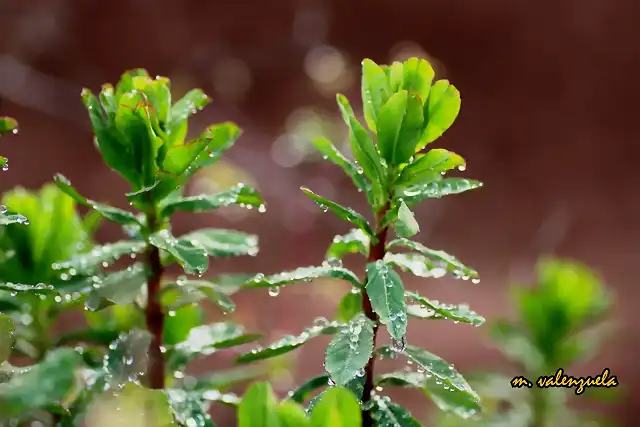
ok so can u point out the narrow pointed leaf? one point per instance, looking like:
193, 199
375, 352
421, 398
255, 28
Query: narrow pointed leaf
258, 407
457, 313
406, 225
440, 112
350, 350
386, 292
18, 288
189, 104
289, 343
338, 407
239, 195
375, 91
300, 394
223, 243
389, 414
108, 212
437, 189
449, 262
206, 339
355, 241
347, 214
191, 257
50, 382
330, 152
302, 274
399, 127
85, 263
430, 165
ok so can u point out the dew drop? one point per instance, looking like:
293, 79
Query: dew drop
274, 291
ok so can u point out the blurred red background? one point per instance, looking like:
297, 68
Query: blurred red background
550, 122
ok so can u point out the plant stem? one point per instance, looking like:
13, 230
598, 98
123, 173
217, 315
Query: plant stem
153, 313
539, 408
376, 253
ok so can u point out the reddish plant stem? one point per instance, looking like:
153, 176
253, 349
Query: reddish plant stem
376, 253
155, 316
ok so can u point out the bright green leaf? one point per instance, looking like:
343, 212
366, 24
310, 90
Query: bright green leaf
447, 261
457, 313
330, 152
193, 101
406, 225
347, 214
239, 195
192, 257
8, 125
259, 407
429, 167
440, 111
291, 414
290, 342
375, 91
338, 407
417, 264
389, 414
355, 241
350, 350
184, 292
386, 292
399, 127
301, 393
417, 75
350, 305
437, 189
178, 323
223, 242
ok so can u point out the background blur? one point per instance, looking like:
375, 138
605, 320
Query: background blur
550, 122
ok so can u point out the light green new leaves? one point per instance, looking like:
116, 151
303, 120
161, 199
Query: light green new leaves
330, 152
353, 242
416, 77
457, 313
449, 262
350, 305
350, 350
406, 224
50, 382
302, 274
389, 414
290, 343
436, 189
375, 91
347, 214
189, 253
399, 127
386, 293
258, 407
429, 167
338, 407
440, 111
195, 100
239, 195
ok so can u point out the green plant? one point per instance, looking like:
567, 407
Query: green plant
405, 110
561, 322
156, 319
8, 125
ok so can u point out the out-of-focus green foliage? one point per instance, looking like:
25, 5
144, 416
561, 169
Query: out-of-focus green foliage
561, 322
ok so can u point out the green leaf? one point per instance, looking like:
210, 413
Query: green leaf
89, 335
187, 410
350, 305
300, 394
464, 405
347, 214
18, 288
184, 292
437, 189
338, 407
120, 287
417, 75
241, 194
50, 382
350, 350
223, 243
442, 376
355, 386
224, 379
258, 407
449, 262
386, 294
302, 274
429, 167
417, 264
457, 313
399, 127
178, 323
192, 257
127, 358
330, 152
8, 125
355, 241
108, 212
8, 217
206, 339
406, 225
193, 101
7, 330
290, 342
375, 91
102, 256
364, 151
292, 415
389, 414
441, 111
